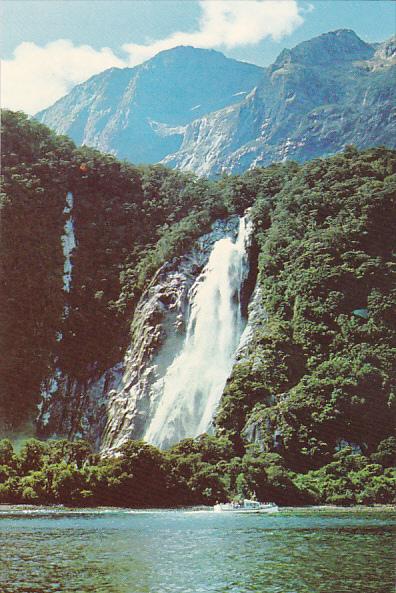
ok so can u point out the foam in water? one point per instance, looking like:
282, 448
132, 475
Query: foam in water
193, 384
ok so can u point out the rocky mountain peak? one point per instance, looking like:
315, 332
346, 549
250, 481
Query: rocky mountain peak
325, 93
329, 48
139, 113
387, 49
185, 52
195, 109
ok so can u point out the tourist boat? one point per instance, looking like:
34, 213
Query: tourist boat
252, 506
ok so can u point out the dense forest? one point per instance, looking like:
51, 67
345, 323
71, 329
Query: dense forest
324, 356
127, 222
193, 472
308, 413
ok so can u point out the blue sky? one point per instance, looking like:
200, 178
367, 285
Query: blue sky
48, 46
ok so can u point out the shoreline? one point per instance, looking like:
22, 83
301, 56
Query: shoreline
29, 508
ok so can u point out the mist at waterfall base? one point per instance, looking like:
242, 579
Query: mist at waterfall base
193, 384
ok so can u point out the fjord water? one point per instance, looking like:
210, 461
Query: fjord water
121, 551
193, 384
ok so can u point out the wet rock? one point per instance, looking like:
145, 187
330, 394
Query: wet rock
159, 317
109, 409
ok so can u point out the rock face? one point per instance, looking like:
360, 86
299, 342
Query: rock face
140, 113
76, 410
197, 110
159, 331
325, 93
255, 430
257, 317
114, 407
385, 54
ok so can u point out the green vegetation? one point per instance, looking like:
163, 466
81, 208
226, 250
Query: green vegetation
318, 375
127, 222
315, 390
200, 471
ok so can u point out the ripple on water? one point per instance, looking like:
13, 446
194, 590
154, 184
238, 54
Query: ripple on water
183, 552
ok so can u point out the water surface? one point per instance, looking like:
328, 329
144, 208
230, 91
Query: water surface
123, 551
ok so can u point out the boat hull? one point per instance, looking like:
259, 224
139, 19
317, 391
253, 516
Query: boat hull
232, 508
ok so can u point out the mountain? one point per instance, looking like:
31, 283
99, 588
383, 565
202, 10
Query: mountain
140, 113
326, 93
197, 110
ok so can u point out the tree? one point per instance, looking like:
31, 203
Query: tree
31, 456
7, 456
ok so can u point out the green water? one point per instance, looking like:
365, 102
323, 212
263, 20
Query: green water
121, 551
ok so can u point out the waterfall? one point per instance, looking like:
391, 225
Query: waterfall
68, 243
193, 384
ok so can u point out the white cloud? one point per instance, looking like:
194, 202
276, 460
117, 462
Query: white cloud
229, 24
37, 76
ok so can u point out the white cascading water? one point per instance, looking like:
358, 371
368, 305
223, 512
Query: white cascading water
193, 384
68, 243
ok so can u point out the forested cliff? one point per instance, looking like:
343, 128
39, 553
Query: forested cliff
93, 253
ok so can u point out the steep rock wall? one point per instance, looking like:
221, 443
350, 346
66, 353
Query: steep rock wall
283, 119
111, 408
